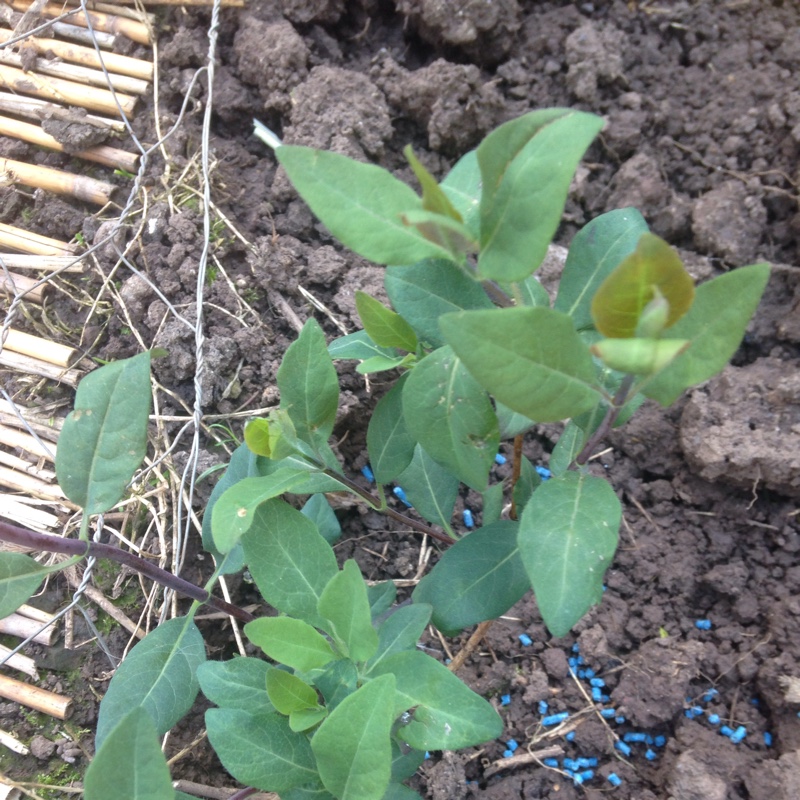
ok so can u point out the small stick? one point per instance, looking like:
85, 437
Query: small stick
20, 510
19, 284
18, 662
97, 597
33, 243
34, 108
13, 437
470, 646
67, 92
77, 54
28, 485
43, 263
36, 614
46, 428
77, 34
120, 11
22, 627
21, 465
523, 759
56, 180
34, 346
35, 367
101, 154
55, 705
108, 23
16, 746
215, 792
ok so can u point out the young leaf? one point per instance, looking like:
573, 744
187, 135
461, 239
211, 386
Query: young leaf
384, 326
567, 538
510, 422
405, 762
358, 345
360, 204
383, 364
430, 488
594, 253
289, 693
309, 385
289, 560
381, 596
463, 188
423, 292
530, 359
493, 499
530, 292
443, 231
352, 746
433, 198
159, 675
529, 480
447, 714
275, 437
290, 641
448, 412
567, 447
104, 440
319, 511
338, 680
480, 577
261, 750
390, 445
305, 718
345, 607
237, 683
715, 325
401, 631
639, 356
130, 765
621, 298
20, 577
525, 187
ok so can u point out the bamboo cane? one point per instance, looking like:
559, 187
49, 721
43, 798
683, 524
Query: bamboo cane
19, 662
41, 263
120, 11
223, 3
14, 437
33, 243
19, 284
36, 614
83, 36
77, 73
21, 511
113, 62
34, 346
108, 23
68, 92
32, 487
44, 427
107, 156
15, 745
22, 465
24, 627
35, 367
55, 705
56, 180
34, 108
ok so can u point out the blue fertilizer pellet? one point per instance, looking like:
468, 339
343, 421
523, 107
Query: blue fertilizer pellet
726, 731
597, 694
589, 673
570, 764
581, 673
710, 695
660, 741
576, 648
427, 755
550, 762
570, 737
543, 473
368, 474
508, 753
401, 496
650, 755
738, 734
505, 700
623, 748
599, 682
525, 640
555, 719
604, 698
543, 706
614, 779
587, 774
466, 515
608, 713
634, 737
577, 778
500, 459
512, 744
620, 720
703, 624
713, 719
767, 738
586, 762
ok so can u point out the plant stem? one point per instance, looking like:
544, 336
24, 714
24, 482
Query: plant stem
375, 502
620, 398
31, 540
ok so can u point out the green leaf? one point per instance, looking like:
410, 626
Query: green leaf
314, 791
715, 325
594, 253
289, 560
397, 791
130, 765
345, 606
447, 714
275, 437
158, 675
433, 197
511, 423
480, 577
529, 480
352, 746
463, 187
401, 631
360, 204
569, 445
527, 166
381, 596
390, 445
236, 510
530, 292
430, 488
384, 326
319, 511
309, 385
493, 499
260, 750
451, 416
20, 577
442, 231
237, 683
383, 364
289, 693
405, 762
290, 641
358, 345
423, 292
104, 440
338, 680
639, 356
654, 270
567, 538
530, 359
305, 718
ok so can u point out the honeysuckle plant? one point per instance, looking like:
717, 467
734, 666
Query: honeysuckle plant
339, 702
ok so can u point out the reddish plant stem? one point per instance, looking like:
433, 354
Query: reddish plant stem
617, 403
31, 540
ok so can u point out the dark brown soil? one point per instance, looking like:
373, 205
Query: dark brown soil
703, 135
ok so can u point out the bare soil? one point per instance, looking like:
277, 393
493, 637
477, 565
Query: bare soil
703, 135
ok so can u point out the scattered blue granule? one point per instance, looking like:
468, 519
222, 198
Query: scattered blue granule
525, 640
368, 474
623, 748
767, 738
713, 719
544, 473
550, 762
608, 713
505, 700
660, 741
650, 755
555, 719
508, 753
570, 737
710, 695
620, 720
599, 682
597, 694
738, 734
466, 515
543, 706
614, 779
401, 496
500, 459
634, 737
703, 624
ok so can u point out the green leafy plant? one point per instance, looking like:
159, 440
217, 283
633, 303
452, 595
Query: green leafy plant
345, 705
